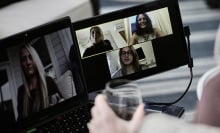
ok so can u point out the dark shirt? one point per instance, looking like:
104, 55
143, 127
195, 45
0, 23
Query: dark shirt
52, 91
75, 67
96, 69
98, 48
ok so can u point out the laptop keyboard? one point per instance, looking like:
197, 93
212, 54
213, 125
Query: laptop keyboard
72, 122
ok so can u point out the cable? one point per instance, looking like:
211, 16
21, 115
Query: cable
190, 65
177, 100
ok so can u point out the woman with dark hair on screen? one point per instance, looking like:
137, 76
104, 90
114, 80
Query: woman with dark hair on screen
38, 90
129, 62
144, 30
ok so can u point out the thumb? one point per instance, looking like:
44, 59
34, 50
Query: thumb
137, 118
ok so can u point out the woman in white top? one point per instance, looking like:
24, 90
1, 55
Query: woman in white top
144, 30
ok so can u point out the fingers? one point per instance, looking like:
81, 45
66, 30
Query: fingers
139, 114
102, 104
101, 109
100, 99
137, 118
91, 128
96, 115
101, 112
95, 112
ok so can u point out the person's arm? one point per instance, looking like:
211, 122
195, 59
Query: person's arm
53, 89
158, 32
133, 39
109, 45
163, 123
208, 109
104, 120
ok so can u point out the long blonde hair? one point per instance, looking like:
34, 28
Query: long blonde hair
43, 99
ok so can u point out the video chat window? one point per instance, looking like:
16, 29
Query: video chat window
109, 34
45, 57
124, 32
134, 33
140, 57
147, 26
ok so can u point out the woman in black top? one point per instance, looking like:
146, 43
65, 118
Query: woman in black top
96, 66
38, 90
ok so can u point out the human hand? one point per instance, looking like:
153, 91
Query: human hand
104, 120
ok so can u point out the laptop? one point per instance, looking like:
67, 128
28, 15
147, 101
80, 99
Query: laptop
159, 47
41, 80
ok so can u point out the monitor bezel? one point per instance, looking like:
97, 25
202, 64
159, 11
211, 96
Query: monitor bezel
177, 36
48, 113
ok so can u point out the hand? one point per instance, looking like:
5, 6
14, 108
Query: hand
104, 120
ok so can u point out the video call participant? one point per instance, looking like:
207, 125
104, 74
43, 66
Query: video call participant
38, 91
144, 30
129, 62
98, 43
96, 67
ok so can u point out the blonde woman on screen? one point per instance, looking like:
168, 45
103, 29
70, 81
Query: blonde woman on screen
38, 90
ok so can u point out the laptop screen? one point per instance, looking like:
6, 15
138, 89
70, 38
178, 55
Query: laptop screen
40, 72
131, 43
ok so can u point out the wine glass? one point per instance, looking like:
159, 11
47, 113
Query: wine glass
123, 96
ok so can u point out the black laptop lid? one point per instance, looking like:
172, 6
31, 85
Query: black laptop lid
40, 72
156, 53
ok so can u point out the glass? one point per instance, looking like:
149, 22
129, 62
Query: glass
123, 96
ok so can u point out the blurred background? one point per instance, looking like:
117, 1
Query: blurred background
168, 86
